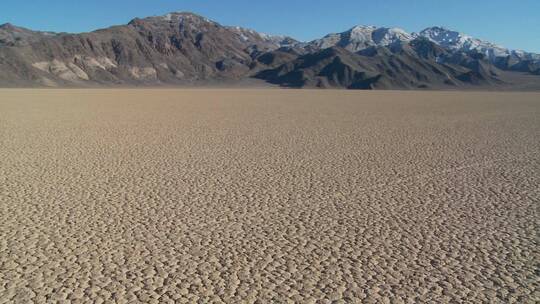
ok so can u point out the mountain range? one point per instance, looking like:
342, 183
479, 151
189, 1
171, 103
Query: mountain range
184, 48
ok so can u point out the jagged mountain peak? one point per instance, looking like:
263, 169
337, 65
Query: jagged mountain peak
437, 29
379, 35
362, 36
456, 40
198, 23
14, 28
179, 17
183, 47
12, 35
370, 29
362, 28
502, 57
6, 25
249, 35
446, 37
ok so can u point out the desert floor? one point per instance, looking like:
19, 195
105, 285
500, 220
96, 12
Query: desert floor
269, 196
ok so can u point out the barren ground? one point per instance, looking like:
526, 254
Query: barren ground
275, 196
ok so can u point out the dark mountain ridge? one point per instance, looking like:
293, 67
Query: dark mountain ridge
182, 48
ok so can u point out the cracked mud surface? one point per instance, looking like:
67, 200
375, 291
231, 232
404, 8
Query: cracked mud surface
268, 196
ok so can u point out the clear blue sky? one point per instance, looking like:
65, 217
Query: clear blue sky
511, 23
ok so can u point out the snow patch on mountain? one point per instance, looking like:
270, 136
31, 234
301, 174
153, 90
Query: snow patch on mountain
458, 41
247, 35
361, 37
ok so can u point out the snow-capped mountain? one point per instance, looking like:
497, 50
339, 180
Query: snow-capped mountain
502, 57
458, 41
361, 37
183, 47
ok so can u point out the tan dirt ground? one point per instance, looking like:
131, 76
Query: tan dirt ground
269, 196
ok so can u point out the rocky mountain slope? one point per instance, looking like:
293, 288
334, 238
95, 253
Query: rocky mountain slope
419, 63
181, 48
361, 37
500, 56
175, 48
11, 35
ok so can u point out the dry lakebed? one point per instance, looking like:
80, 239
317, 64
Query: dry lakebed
268, 196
